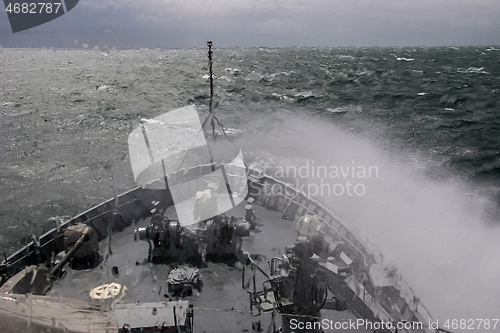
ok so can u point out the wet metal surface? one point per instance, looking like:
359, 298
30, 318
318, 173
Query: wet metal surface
221, 306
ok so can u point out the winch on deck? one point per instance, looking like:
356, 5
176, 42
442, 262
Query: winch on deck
218, 237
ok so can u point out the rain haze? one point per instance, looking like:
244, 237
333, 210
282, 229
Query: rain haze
407, 86
331, 23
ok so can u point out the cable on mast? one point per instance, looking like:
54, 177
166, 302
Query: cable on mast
209, 44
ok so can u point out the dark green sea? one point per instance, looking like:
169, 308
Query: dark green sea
441, 102
427, 117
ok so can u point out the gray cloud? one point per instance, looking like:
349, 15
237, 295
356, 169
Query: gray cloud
177, 24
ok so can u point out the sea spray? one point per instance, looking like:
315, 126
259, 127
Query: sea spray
430, 229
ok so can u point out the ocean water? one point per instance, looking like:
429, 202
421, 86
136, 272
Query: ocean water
426, 120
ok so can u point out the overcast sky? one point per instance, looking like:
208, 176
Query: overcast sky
268, 23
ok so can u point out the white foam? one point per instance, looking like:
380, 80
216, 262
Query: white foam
431, 230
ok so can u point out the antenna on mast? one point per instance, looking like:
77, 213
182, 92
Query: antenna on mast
211, 114
211, 117
209, 44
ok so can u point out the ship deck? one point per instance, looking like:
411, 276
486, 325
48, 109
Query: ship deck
222, 305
